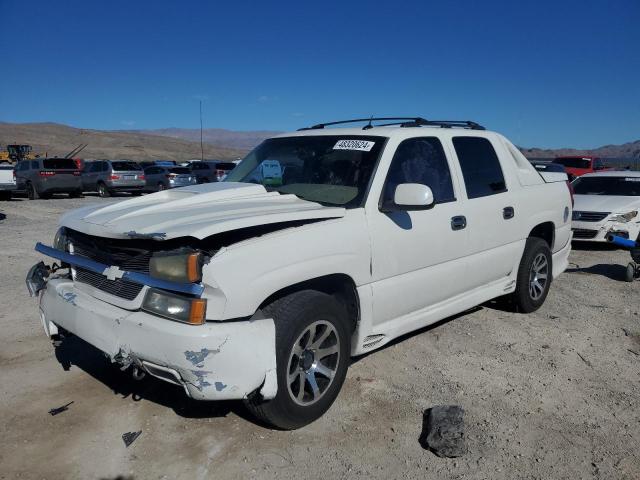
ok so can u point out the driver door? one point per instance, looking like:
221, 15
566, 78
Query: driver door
418, 257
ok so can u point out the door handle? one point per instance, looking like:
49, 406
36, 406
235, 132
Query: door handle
458, 222
508, 212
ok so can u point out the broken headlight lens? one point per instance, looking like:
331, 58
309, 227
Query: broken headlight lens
61, 240
175, 307
624, 217
177, 266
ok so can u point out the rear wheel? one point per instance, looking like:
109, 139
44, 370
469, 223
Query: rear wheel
534, 276
312, 355
32, 192
630, 273
103, 191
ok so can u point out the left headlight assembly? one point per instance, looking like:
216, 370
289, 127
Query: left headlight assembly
175, 307
177, 266
61, 240
624, 217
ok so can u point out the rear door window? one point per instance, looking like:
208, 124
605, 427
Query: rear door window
180, 170
480, 166
59, 164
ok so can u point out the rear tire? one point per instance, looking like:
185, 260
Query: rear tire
312, 356
630, 273
32, 192
534, 276
103, 191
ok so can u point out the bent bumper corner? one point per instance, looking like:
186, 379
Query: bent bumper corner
214, 361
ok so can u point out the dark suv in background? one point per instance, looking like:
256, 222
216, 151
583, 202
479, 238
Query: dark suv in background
42, 177
110, 176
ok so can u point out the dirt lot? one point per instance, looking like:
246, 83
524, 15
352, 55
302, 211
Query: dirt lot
555, 394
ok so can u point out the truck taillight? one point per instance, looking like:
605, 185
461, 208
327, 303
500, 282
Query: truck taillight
114, 177
141, 177
46, 173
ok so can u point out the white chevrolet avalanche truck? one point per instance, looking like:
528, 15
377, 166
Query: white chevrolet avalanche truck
321, 245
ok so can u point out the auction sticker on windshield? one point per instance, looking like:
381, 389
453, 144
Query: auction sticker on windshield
362, 145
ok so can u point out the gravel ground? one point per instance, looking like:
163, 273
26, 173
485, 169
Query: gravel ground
554, 394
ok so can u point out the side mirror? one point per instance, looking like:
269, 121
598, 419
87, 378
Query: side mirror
412, 196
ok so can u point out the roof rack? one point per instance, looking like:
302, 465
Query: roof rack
403, 122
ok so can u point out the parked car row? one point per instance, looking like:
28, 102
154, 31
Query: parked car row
41, 178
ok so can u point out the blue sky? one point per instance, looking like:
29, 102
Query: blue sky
544, 73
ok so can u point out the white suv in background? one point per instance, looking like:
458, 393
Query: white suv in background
263, 290
606, 202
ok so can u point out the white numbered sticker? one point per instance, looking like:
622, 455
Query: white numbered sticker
362, 145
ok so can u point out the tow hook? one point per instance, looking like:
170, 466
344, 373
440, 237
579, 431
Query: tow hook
125, 360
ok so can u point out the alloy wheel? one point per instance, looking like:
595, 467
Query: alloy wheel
538, 276
313, 361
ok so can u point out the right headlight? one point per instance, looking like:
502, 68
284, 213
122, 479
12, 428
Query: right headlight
61, 240
624, 217
175, 307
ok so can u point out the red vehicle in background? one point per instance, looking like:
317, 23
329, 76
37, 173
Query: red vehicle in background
576, 166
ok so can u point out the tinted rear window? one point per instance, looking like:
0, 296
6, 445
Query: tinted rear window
59, 164
574, 162
180, 170
123, 166
480, 166
225, 165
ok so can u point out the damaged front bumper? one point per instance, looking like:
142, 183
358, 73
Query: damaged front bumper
213, 361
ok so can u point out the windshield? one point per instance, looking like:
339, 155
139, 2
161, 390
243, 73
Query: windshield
59, 163
328, 169
614, 186
574, 162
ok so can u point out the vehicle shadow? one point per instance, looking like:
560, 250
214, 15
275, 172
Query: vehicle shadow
415, 333
73, 351
2, 216
611, 271
593, 246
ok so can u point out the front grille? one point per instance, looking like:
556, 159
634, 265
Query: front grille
110, 252
118, 287
583, 234
589, 216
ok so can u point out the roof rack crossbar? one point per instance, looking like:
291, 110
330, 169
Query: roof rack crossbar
403, 122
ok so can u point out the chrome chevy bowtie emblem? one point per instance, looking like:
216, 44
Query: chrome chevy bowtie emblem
113, 272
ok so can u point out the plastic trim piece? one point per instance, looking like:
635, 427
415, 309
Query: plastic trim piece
136, 277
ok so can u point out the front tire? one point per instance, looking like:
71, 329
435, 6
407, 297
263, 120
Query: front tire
312, 356
534, 276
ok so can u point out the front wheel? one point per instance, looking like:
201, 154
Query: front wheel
534, 276
312, 355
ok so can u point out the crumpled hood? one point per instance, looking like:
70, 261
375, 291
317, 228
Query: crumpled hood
198, 211
605, 203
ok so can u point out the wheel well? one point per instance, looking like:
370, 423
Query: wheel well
545, 231
338, 285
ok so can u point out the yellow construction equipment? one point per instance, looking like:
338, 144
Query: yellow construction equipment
15, 153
